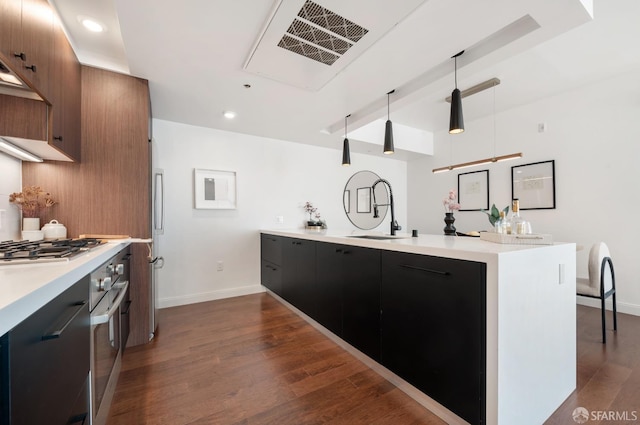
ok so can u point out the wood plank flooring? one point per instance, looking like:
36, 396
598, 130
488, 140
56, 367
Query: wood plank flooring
250, 360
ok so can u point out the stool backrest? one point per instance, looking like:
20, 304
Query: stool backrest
598, 252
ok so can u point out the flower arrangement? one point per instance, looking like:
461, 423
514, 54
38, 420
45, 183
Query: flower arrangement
31, 201
314, 216
450, 204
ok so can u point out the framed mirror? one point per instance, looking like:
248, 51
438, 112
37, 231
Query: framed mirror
358, 200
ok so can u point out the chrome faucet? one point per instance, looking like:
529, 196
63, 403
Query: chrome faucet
394, 224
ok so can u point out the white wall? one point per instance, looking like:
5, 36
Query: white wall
274, 178
592, 136
10, 181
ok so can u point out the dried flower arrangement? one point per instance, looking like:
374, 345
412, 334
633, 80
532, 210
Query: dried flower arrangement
32, 200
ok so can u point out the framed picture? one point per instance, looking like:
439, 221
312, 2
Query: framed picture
473, 190
363, 201
534, 185
214, 189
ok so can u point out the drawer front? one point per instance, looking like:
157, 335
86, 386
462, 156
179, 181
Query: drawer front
271, 276
271, 248
49, 358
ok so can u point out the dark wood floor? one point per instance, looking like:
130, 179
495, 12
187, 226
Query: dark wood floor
250, 360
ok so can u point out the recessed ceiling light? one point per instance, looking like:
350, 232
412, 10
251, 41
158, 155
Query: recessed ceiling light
92, 24
229, 115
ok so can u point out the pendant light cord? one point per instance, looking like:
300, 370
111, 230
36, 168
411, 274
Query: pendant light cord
388, 94
345, 126
455, 70
494, 121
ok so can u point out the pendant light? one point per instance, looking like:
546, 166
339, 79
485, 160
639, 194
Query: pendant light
388, 132
346, 155
456, 122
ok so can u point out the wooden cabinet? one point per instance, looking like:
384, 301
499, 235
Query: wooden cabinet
348, 294
299, 274
108, 192
433, 328
271, 270
34, 45
26, 40
65, 95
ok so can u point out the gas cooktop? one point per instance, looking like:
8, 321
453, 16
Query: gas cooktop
20, 252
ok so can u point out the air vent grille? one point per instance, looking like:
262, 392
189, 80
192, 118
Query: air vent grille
320, 34
307, 50
325, 18
319, 37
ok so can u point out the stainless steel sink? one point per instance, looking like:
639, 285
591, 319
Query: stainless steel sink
377, 237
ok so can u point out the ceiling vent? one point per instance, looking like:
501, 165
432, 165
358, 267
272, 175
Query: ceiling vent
320, 34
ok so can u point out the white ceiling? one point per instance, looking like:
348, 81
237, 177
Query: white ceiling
194, 55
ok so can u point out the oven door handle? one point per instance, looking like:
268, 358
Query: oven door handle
104, 318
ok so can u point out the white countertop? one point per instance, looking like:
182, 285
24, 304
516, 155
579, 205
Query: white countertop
461, 247
24, 288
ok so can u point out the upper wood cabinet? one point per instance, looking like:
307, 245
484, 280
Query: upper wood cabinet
34, 45
26, 40
64, 81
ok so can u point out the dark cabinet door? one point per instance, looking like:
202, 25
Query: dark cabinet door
433, 328
330, 281
299, 274
271, 254
49, 359
348, 294
361, 299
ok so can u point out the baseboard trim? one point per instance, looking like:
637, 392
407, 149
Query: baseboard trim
209, 296
626, 308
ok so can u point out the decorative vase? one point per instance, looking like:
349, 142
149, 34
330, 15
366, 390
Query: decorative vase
31, 223
449, 229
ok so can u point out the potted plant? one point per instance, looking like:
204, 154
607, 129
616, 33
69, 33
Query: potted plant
314, 222
494, 214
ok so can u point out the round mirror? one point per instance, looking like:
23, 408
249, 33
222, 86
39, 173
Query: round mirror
359, 199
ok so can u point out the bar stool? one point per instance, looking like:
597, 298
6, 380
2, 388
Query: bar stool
601, 283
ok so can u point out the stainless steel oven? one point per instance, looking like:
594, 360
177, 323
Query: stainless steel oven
108, 297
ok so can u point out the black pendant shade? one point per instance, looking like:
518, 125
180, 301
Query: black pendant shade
456, 122
346, 154
388, 138
388, 132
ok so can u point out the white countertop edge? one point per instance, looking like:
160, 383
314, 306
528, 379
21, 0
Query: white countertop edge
458, 247
24, 288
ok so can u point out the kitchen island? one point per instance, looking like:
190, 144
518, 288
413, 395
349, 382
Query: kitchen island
521, 298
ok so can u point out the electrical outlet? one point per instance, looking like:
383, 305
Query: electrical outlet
542, 127
220, 266
279, 219
560, 274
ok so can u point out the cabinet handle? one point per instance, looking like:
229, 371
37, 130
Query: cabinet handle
20, 55
347, 252
57, 138
339, 251
58, 332
425, 270
32, 68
